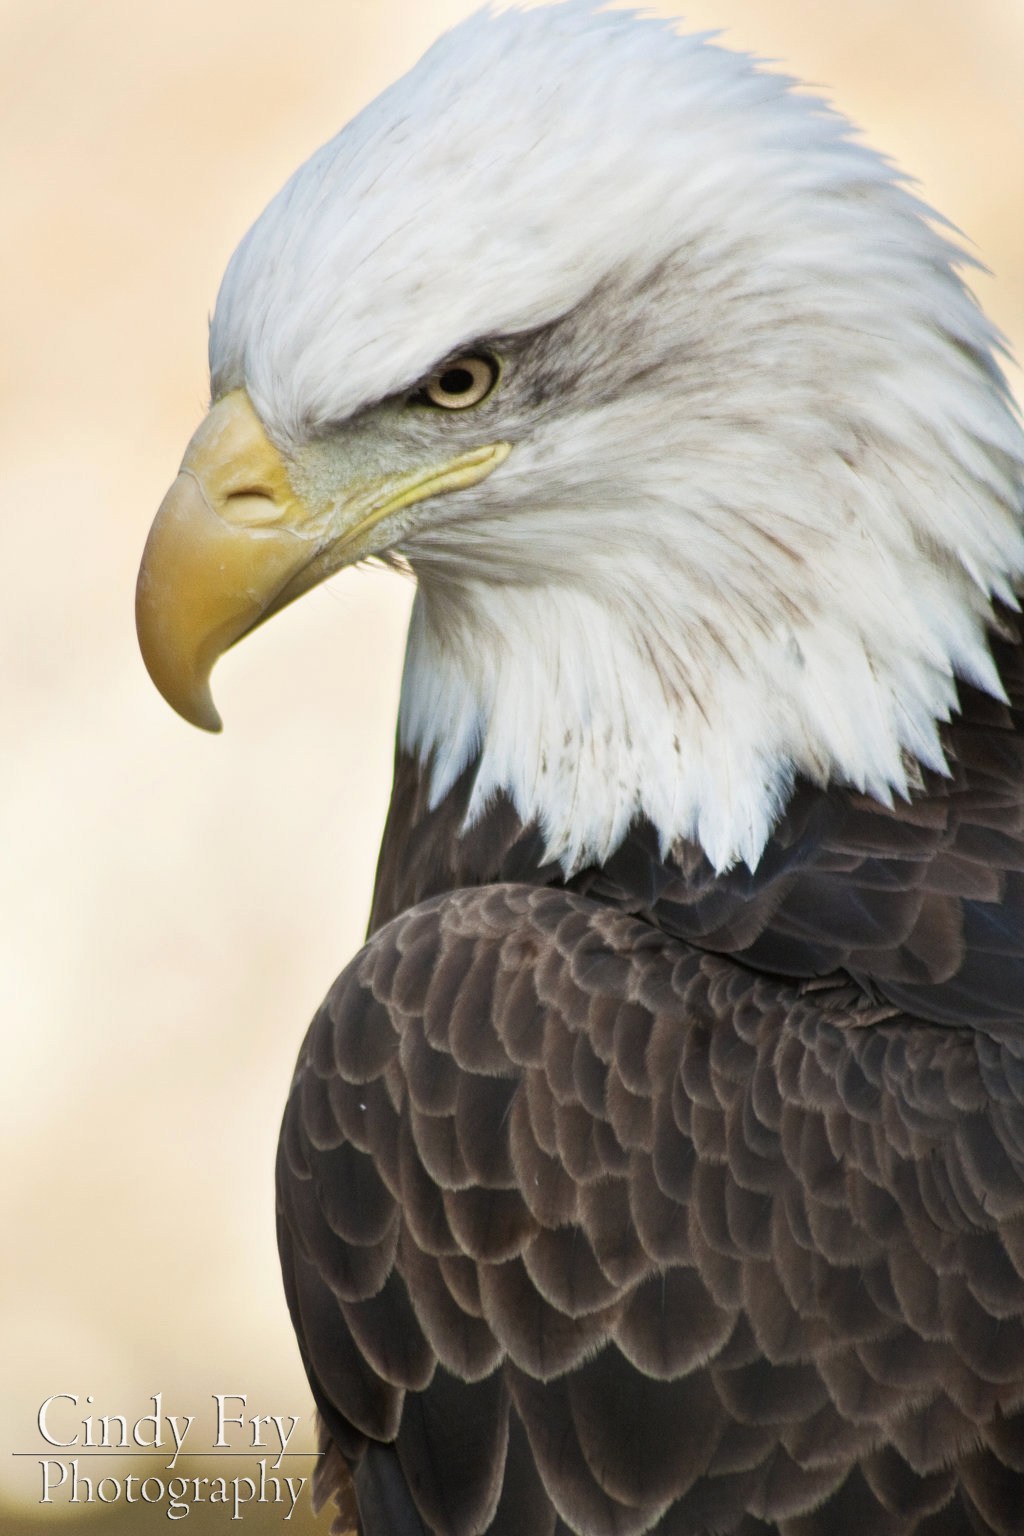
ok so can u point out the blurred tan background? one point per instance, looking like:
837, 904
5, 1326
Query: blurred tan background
173, 906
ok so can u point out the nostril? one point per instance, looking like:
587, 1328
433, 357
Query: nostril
254, 504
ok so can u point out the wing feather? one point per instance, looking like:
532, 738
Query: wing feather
582, 1221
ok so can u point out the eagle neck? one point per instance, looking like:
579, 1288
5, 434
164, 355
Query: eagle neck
584, 720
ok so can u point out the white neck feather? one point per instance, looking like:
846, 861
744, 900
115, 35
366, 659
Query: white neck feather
588, 716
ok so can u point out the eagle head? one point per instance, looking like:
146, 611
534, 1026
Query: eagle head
669, 392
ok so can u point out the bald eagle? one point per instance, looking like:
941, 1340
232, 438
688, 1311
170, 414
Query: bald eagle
658, 1164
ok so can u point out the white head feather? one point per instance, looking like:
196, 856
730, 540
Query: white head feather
768, 478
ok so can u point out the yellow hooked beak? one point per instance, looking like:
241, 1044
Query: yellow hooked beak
233, 543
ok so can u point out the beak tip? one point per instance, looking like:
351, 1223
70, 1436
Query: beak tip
197, 708
209, 721
188, 694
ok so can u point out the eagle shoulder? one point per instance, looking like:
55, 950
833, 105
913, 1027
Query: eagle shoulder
584, 1226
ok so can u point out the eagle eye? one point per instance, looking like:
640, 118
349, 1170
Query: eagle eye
462, 382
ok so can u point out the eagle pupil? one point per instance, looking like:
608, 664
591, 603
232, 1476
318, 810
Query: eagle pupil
456, 381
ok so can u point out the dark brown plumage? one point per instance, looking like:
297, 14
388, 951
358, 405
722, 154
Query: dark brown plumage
674, 1200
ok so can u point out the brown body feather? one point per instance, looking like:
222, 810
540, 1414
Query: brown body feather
677, 1202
